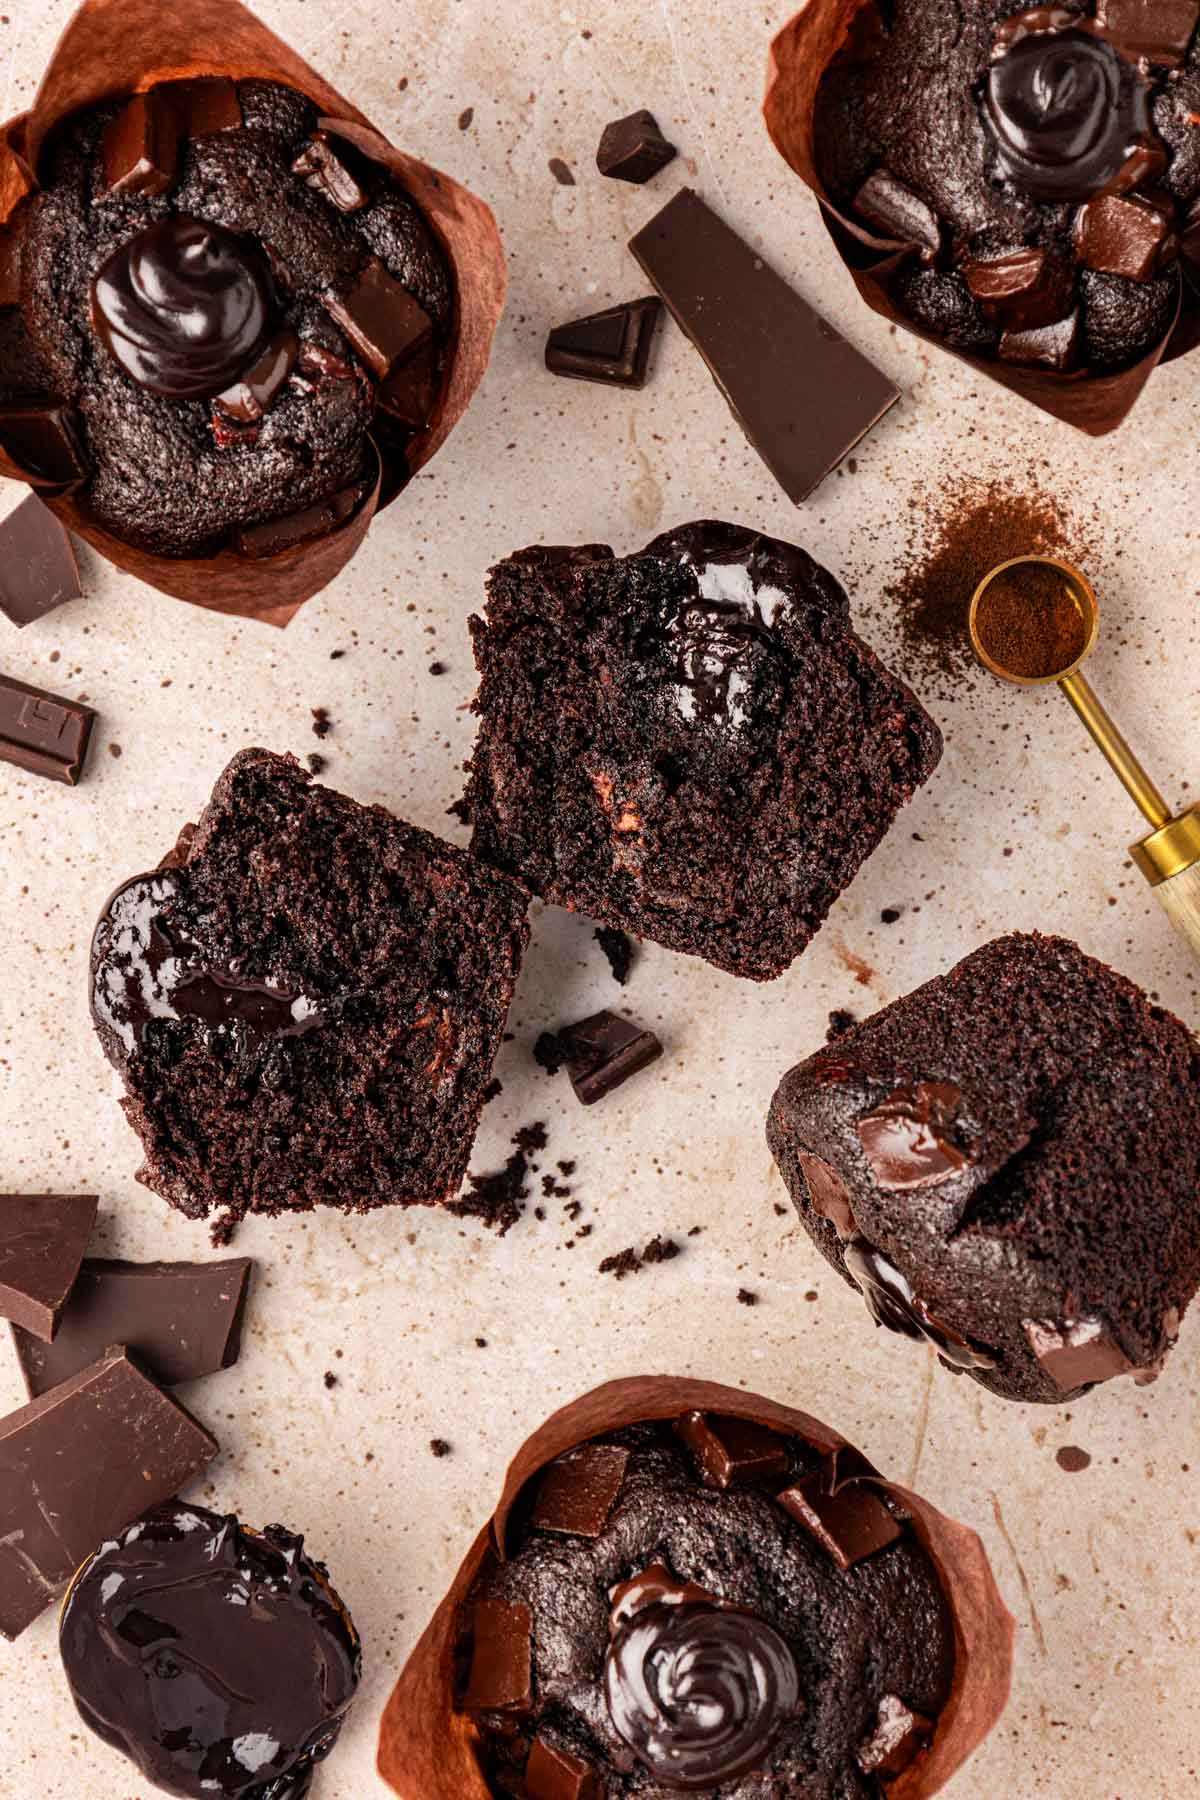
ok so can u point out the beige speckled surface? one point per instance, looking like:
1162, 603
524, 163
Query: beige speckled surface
1099, 1567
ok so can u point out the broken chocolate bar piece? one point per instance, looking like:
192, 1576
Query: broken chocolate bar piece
803, 396
884, 201
733, 1452
850, 1523
42, 438
899, 1736
43, 1239
383, 321
1122, 234
603, 1051
634, 149
38, 570
554, 1774
141, 147
579, 1491
1158, 30
77, 1467
1076, 1352
611, 346
1054, 346
206, 105
501, 1678
42, 732
329, 169
182, 1320
253, 393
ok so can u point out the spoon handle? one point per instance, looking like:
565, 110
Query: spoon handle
1114, 747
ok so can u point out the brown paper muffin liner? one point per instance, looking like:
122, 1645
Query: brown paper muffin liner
115, 47
800, 55
427, 1750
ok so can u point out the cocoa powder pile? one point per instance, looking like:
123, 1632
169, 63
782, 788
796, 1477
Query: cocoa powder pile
1028, 622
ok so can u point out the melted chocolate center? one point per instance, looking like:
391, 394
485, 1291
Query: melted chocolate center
891, 1302
1065, 109
220, 1662
183, 307
698, 1692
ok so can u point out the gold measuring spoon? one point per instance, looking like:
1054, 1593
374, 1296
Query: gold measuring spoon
1169, 855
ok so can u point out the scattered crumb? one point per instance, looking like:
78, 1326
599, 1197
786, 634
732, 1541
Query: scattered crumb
890, 914
439, 1447
1072, 1459
561, 172
331, 1379
114, 750
625, 1262
567, 1168
220, 1233
495, 1198
781, 1212
481, 1343
322, 724
619, 951
812, 1294
336, 655
317, 763
548, 1053
437, 668
840, 1022
695, 1231
465, 117
531, 1137
630, 1261
746, 1297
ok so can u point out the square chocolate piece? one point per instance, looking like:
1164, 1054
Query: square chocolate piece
553, 1774
1158, 30
579, 1491
501, 1677
850, 1524
383, 321
733, 1452
1076, 1353
141, 147
38, 570
603, 1052
1122, 234
634, 149
43, 439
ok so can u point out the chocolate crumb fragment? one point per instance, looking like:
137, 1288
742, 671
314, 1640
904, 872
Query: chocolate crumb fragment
437, 668
439, 1447
840, 1022
630, 1261
330, 1379
603, 1051
747, 1297
322, 724
561, 172
618, 949
495, 1199
466, 118
549, 1053
317, 764
634, 149
1073, 1460
38, 570
624, 1262
889, 914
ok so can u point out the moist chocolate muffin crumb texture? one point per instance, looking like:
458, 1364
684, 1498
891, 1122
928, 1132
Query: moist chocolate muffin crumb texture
1005, 1162
689, 744
306, 1009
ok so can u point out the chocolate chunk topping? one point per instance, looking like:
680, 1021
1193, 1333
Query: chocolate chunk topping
219, 1660
697, 1692
77, 1467
411, 393
329, 168
612, 346
553, 1774
205, 105
255, 391
633, 148
1124, 235
183, 307
603, 1051
383, 321
902, 216
141, 147
43, 439
1021, 287
829, 1194
849, 1524
1076, 1353
42, 732
43, 1238
733, 1452
906, 1137
273, 536
1065, 110
579, 1491
182, 1320
501, 1678
899, 1736
38, 570
1053, 346
1158, 30
803, 411
891, 1302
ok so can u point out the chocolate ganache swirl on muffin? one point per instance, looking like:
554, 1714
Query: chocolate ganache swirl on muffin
222, 315
704, 1606
1040, 169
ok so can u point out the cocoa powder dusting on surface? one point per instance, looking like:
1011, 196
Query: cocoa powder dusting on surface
1028, 622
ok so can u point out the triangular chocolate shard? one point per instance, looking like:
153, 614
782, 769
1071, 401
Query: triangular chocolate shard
611, 346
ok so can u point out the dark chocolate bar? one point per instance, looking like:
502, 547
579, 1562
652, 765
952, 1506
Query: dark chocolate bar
43, 732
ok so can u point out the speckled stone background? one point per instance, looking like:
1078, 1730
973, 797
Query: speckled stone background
1021, 827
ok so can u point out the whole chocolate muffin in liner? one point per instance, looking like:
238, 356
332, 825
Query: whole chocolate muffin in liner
116, 49
433, 1748
899, 276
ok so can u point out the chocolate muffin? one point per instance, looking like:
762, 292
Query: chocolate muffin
704, 1605
304, 1005
1041, 168
220, 1661
219, 304
1006, 1163
690, 744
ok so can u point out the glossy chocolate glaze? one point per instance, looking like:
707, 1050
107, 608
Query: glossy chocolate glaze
184, 307
892, 1302
219, 1661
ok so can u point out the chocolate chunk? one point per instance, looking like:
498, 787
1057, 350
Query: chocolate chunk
329, 168
634, 149
892, 1303
43, 1238
1124, 235
271, 536
253, 394
410, 395
141, 147
206, 105
884, 201
552, 1774
579, 1491
1159, 30
43, 439
38, 570
1054, 346
1022, 287
829, 1194
501, 1678
906, 1138
900, 1734
182, 1320
383, 321
733, 1452
42, 733
77, 1467
1076, 1352
618, 949
603, 1051
611, 346
803, 396
850, 1524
